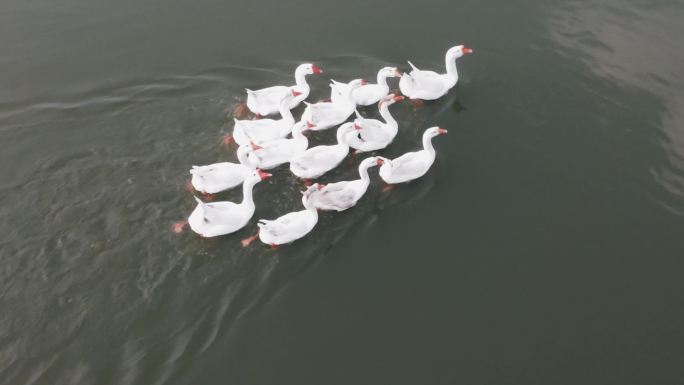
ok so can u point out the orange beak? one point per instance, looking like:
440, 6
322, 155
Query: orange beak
263, 174
441, 131
467, 50
316, 69
296, 93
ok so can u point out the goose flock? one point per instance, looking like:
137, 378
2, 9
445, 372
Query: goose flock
266, 143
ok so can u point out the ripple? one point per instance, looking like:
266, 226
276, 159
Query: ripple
616, 41
86, 240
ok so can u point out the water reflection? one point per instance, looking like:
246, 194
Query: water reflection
636, 45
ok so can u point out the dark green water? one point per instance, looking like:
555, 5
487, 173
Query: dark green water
546, 246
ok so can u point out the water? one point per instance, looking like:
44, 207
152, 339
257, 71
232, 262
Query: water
544, 247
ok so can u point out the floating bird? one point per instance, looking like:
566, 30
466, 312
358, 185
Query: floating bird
263, 130
266, 101
320, 116
289, 227
219, 218
370, 93
217, 177
318, 160
276, 152
340, 196
429, 85
263, 145
373, 134
411, 165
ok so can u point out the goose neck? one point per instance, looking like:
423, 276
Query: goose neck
297, 133
300, 79
382, 79
298, 138
385, 113
284, 108
247, 190
452, 72
427, 144
363, 171
341, 132
310, 206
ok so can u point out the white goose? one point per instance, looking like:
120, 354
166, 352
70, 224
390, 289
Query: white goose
320, 116
373, 134
263, 130
429, 85
217, 177
292, 226
266, 101
219, 218
411, 165
340, 196
318, 160
276, 152
370, 93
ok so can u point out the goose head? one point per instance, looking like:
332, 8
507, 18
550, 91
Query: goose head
346, 92
242, 153
356, 83
312, 189
458, 51
306, 202
344, 129
300, 128
382, 160
391, 99
370, 162
390, 72
258, 175
308, 69
263, 175
434, 131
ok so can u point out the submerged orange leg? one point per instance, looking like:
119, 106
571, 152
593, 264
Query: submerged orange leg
387, 187
179, 226
189, 187
247, 241
227, 140
208, 197
241, 111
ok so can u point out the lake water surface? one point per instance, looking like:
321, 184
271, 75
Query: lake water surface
546, 245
